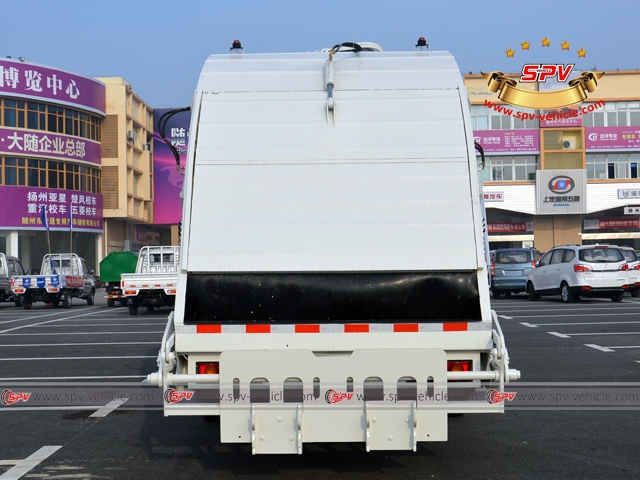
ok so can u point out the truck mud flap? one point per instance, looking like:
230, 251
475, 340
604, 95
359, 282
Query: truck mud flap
388, 399
332, 297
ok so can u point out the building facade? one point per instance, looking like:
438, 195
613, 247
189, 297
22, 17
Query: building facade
50, 160
560, 177
128, 171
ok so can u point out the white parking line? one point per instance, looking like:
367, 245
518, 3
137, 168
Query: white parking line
598, 347
574, 315
103, 325
75, 358
72, 333
77, 344
108, 408
50, 321
15, 379
31, 318
559, 335
567, 335
573, 323
505, 317
23, 467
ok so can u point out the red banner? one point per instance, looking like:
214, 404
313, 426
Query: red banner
612, 223
503, 227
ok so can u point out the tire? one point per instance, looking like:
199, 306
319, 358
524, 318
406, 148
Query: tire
18, 302
133, 309
533, 296
150, 308
91, 297
617, 297
636, 293
567, 296
507, 294
110, 303
55, 303
66, 303
497, 294
27, 305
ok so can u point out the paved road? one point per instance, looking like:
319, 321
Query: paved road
590, 341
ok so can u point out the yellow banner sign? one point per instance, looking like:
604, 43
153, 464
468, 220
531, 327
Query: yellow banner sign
576, 93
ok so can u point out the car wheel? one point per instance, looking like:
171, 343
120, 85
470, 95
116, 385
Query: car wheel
497, 294
533, 296
636, 293
617, 297
66, 303
110, 303
567, 296
91, 297
150, 308
27, 305
133, 309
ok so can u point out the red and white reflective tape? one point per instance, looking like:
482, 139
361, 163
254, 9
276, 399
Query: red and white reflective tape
339, 328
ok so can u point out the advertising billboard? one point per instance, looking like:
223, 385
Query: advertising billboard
612, 138
166, 179
525, 141
561, 191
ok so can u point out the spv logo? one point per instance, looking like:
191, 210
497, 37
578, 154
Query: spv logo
494, 396
7, 397
540, 72
332, 396
174, 396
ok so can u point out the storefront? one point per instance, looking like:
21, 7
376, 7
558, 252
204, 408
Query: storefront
50, 160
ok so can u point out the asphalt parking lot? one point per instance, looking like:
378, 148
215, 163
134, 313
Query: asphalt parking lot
590, 343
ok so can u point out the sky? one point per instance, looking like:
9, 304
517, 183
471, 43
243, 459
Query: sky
160, 46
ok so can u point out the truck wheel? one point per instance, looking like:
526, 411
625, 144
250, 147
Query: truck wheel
507, 293
617, 297
66, 302
110, 303
91, 297
133, 309
19, 301
567, 296
533, 296
636, 293
27, 305
150, 308
55, 303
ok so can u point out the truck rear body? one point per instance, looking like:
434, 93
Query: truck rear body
332, 246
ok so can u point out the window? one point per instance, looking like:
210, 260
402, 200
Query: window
557, 256
512, 168
613, 114
49, 174
568, 256
48, 118
602, 166
485, 118
546, 259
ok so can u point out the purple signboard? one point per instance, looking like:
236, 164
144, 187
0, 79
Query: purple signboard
612, 138
50, 145
508, 141
22, 206
167, 181
28, 80
566, 117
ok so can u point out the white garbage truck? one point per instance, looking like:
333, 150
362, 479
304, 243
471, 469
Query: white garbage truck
333, 282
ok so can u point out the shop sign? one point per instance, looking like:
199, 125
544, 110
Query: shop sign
22, 207
628, 193
612, 138
30, 80
612, 223
18, 142
510, 227
561, 191
494, 197
508, 141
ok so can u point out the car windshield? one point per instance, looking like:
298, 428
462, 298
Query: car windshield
629, 255
513, 256
601, 255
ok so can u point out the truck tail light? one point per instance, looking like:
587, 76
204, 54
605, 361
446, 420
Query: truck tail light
130, 292
208, 368
171, 292
493, 269
459, 365
624, 266
582, 268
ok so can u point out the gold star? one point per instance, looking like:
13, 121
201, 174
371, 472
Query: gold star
510, 52
582, 52
565, 45
525, 45
545, 42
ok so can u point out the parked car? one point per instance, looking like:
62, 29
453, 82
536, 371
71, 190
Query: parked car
573, 271
9, 266
509, 269
633, 261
